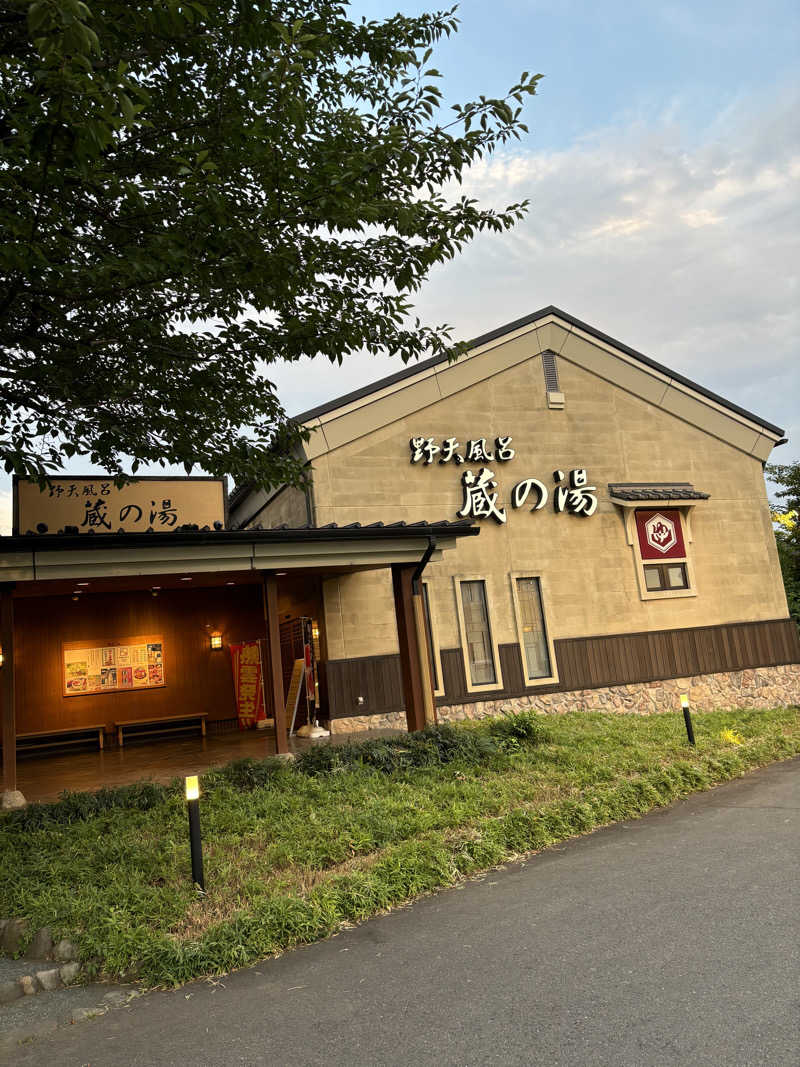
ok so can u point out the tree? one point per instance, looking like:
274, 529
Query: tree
787, 530
191, 192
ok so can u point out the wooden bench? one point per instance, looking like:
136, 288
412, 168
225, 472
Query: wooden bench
170, 724
74, 735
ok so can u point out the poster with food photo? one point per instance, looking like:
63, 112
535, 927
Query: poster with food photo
140, 679
76, 670
154, 654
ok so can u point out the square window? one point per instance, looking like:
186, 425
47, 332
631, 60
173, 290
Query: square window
676, 576
652, 578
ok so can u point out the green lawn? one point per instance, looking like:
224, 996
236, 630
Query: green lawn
292, 852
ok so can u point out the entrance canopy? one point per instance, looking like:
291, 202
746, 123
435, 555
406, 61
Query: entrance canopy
41, 575
46, 557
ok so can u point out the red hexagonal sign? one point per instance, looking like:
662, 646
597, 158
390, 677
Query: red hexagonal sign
660, 534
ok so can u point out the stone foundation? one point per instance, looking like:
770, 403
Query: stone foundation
396, 720
759, 687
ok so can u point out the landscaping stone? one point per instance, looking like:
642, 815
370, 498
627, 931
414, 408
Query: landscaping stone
69, 972
65, 951
10, 991
13, 936
12, 800
41, 947
29, 985
49, 980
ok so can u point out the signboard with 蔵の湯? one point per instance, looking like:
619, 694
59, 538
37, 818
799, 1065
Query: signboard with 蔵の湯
571, 492
95, 505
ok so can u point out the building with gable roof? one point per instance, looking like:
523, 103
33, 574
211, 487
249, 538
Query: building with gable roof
626, 552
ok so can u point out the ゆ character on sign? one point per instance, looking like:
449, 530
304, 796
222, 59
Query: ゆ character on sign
660, 533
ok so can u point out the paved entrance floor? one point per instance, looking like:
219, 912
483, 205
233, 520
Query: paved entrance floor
660, 942
44, 778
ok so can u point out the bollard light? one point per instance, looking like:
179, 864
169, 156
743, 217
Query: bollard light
687, 718
195, 840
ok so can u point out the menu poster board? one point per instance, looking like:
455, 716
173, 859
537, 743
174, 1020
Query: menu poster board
135, 663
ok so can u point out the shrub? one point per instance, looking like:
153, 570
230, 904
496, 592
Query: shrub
524, 727
75, 807
247, 773
433, 746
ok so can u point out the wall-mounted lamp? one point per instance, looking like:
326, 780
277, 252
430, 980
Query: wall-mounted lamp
216, 640
155, 590
76, 595
2, 657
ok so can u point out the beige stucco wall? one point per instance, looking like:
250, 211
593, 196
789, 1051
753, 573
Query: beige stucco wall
586, 563
288, 506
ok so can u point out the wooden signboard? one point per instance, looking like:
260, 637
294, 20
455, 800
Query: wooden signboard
86, 504
132, 664
295, 689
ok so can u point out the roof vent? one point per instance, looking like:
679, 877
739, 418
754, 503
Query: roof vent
555, 398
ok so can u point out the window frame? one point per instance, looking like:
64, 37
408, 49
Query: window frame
662, 568
552, 678
488, 588
436, 646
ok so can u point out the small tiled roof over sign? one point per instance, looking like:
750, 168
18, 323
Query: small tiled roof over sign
633, 491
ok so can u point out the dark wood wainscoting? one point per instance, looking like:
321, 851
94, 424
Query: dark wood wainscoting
588, 663
583, 663
375, 678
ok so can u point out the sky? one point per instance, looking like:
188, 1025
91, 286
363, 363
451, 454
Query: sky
663, 170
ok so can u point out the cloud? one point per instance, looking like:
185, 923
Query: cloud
682, 245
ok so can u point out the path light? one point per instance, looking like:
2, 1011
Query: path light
195, 840
216, 640
687, 718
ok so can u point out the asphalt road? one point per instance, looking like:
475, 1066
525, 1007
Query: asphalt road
668, 940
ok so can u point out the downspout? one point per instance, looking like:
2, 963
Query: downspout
416, 588
421, 627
